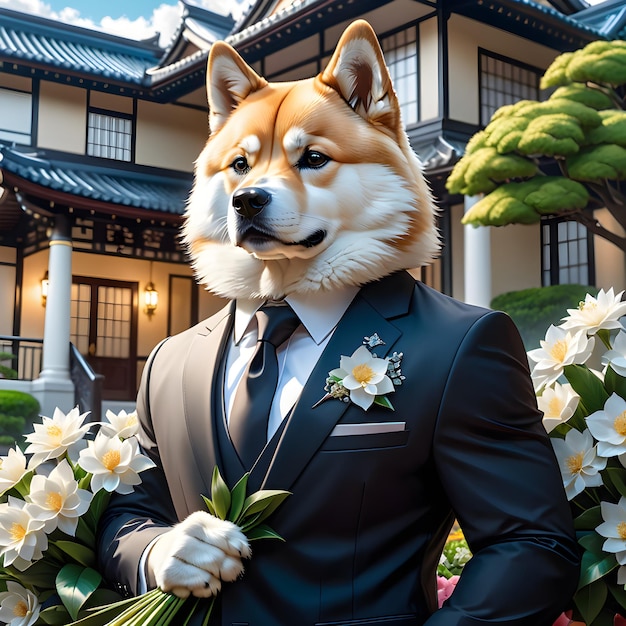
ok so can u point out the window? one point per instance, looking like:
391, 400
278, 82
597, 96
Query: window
503, 82
109, 135
16, 119
400, 52
567, 253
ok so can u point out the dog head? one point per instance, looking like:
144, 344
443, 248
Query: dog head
306, 185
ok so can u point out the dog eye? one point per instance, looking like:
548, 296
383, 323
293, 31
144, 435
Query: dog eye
312, 159
240, 165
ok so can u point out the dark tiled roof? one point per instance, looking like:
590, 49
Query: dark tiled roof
131, 186
608, 18
69, 48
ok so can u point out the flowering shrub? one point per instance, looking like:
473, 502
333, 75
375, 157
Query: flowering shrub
585, 415
51, 498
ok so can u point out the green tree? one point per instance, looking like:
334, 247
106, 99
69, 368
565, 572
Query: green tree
564, 156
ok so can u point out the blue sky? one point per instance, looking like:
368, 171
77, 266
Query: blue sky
135, 19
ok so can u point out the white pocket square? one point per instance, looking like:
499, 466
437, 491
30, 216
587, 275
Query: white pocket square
367, 428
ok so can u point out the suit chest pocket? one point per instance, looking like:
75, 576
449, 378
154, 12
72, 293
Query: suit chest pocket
367, 441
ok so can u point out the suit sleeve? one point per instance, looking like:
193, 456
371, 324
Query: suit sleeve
499, 472
132, 521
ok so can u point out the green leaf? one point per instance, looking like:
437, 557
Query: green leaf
619, 593
85, 533
615, 383
617, 476
74, 585
264, 502
209, 505
588, 386
590, 599
98, 505
589, 519
262, 531
80, 553
56, 615
220, 494
238, 497
384, 402
40, 574
594, 567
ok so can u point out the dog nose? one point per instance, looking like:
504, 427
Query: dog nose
250, 201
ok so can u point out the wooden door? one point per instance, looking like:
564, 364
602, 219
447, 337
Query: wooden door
104, 329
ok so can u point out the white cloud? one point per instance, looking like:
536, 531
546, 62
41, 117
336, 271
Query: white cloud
165, 19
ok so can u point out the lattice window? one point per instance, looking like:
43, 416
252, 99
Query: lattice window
114, 321
567, 253
400, 52
503, 81
109, 136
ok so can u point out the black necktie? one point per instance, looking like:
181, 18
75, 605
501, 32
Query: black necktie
254, 394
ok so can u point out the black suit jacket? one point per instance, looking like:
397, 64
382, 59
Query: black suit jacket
369, 513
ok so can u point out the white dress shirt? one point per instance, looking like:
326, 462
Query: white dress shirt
319, 314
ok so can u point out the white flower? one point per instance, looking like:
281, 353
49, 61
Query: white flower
122, 424
57, 435
609, 426
114, 463
18, 606
616, 357
22, 537
12, 469
614, 528
558, 404
594, 314
57, 500
580, 465
558, 349
364, 376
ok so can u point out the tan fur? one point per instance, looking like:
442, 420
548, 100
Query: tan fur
370, 201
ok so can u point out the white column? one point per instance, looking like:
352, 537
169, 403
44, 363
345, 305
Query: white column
477, 267
54, 387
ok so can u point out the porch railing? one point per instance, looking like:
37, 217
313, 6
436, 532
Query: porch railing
27, 362
27, 355
87, 385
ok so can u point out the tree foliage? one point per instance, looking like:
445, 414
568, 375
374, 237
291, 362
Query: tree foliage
565, 156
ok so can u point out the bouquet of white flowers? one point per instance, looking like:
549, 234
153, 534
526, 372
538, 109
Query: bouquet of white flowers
52, 496
585, 414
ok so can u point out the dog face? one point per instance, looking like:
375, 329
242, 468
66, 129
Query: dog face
306, 185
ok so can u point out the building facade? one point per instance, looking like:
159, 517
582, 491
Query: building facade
98, 137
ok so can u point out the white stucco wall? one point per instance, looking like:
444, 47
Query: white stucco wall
62, 118
464, 36
170, 136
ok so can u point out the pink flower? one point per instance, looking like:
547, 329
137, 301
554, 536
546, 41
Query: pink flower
562, 620
445, 587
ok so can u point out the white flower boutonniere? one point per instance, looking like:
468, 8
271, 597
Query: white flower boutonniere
363, 378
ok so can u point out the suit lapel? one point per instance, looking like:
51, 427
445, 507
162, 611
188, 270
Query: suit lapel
308, 427
201, 387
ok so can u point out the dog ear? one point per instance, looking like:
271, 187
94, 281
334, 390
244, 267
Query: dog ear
358, 72
229, 81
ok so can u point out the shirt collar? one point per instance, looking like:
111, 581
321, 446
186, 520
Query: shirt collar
319, 311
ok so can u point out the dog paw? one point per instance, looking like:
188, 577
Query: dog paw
198, 554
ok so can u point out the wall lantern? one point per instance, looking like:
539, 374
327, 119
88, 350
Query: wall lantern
45, 285
151, 297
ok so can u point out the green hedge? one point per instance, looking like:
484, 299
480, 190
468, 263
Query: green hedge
18, 411
533, 310
5, 370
